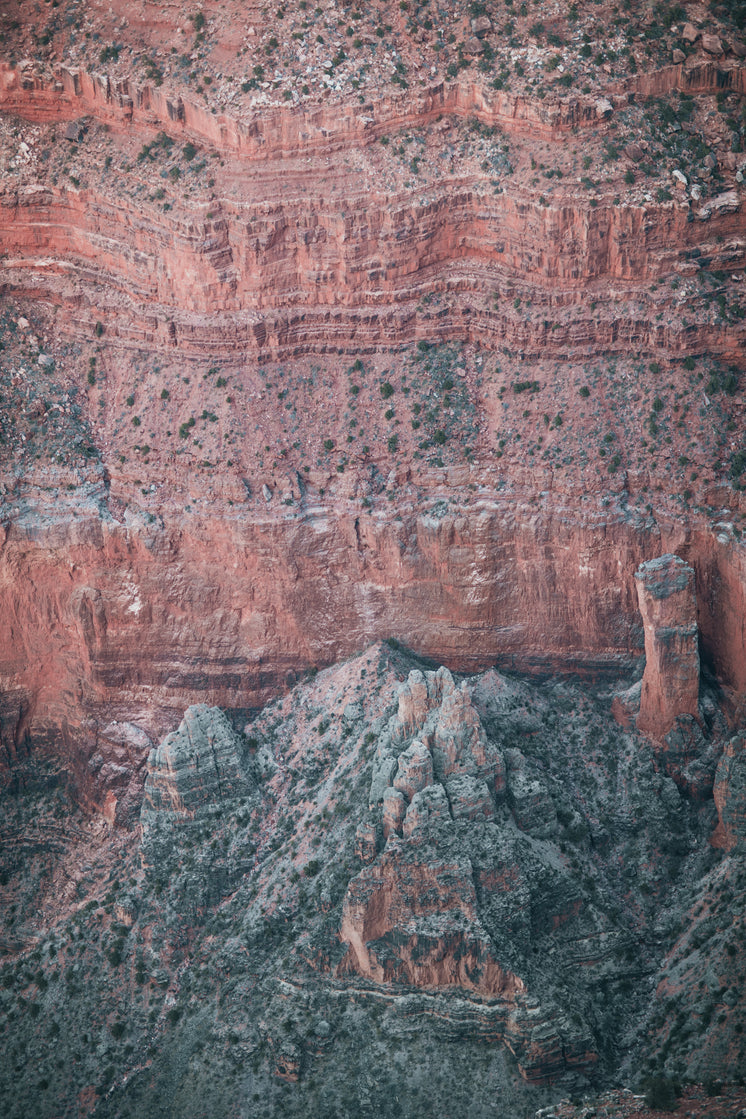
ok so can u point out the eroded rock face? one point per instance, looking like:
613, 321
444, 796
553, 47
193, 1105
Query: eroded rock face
328, 944
415, 770
730, 796
528, 798
461, 881
196, 771
416, 922
195, 766
670, 685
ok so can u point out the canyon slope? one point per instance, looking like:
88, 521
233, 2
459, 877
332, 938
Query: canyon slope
391, 891
329, 327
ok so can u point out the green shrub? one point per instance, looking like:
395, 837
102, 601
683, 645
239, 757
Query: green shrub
738, 464
661, 1093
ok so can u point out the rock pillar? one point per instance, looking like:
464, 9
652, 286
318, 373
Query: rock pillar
730, 795
670, 684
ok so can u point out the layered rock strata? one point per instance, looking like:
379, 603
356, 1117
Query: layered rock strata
180, 572
286, 272
196, 766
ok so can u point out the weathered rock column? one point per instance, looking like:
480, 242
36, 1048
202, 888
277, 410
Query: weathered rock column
670, 684
730, 796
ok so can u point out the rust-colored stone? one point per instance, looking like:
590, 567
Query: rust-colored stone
670, 685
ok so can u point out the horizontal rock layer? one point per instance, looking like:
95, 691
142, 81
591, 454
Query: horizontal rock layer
102, 619
110, 614
335, 260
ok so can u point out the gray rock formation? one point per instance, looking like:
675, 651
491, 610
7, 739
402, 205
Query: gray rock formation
196, 766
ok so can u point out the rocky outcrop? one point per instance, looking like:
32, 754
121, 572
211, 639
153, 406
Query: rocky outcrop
321, 948
670, 685
196, 774
414, 770
455, 891
129, 619
730, 796
528, 798
195, 767
415, 922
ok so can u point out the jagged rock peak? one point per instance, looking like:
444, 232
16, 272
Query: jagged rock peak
422, 692
198, 765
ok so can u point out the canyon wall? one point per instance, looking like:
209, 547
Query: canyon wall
106, 620
308, 256
109, 611
302, 274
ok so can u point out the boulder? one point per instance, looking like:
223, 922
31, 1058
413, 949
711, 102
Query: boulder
712, 44
75, 131
481, 26
726, 203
